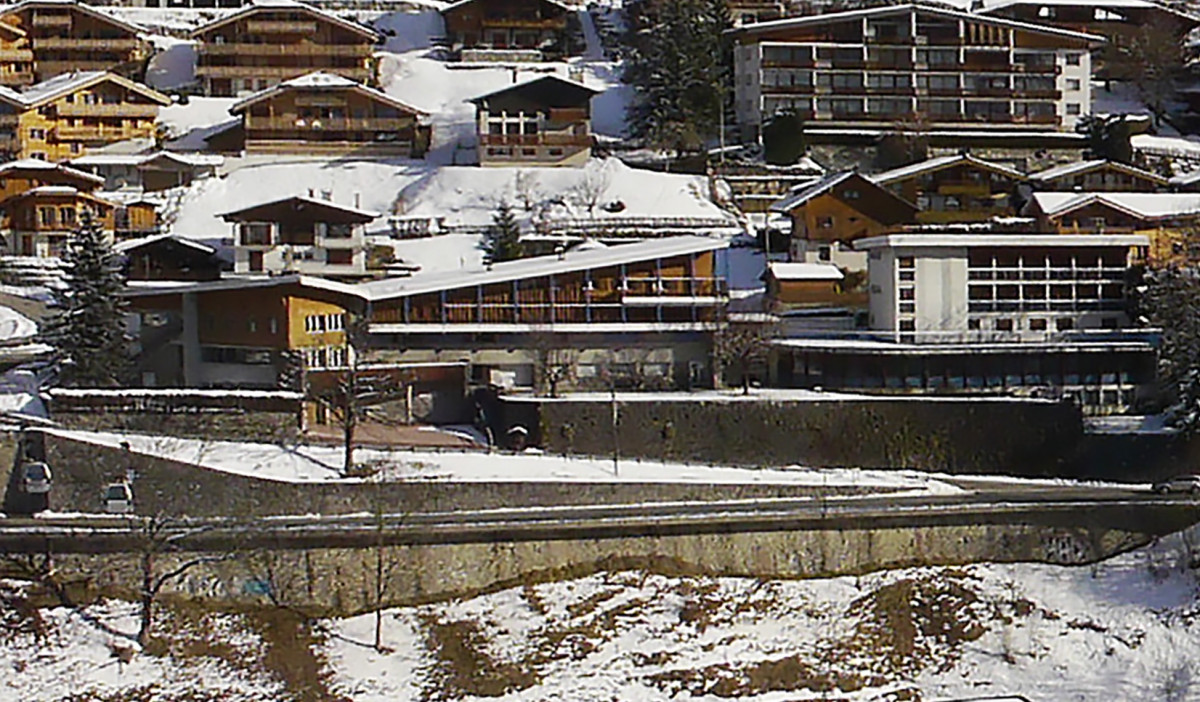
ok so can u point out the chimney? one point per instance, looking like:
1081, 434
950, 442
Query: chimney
311, 193
358, 201
327, 195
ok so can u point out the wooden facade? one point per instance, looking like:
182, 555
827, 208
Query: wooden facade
543, 122
41, 219
63, 117
327, 114
169, 258
16, 57
260, 46
16, 177
956, 189
300, 234
505, 26
1099, 176
1171, 224
68, 36
844, 208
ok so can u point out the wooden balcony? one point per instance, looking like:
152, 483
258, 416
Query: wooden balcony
535, 140
303, 48
125, 110
55, 20
523, 23
16, 55
94, 133
73, 44
281, 27
16, 78
330, 124
1036, 68
278, 72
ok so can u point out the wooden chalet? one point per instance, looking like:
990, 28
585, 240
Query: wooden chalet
1098, 175
16, 177
40, 220
542, 122
16, 57
327, 114
61, 118
959, 188
264, 44
166, 257
808, 285
149, 172
504, 29
1168, 219
66, 36
300, 235
829, 215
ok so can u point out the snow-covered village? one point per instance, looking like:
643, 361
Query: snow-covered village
430, 350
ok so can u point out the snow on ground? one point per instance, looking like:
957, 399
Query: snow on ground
1125, 630
76, 660
199, 113
408, 31
446, 252
173, 64
317, 464
15, 327
1122, 99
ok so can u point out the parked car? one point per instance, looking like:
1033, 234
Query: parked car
36, 477
118, 498
1180, 483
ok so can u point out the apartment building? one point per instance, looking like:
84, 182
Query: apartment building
1030, 314
300, 235
950, 70
266, 43
958, 188
61, 118
66, 36
328, 114
1118, 21
530, 30
1098, 175
543, 122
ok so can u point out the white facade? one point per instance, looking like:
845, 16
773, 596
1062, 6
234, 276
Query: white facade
904, 62
336, 250
929, 288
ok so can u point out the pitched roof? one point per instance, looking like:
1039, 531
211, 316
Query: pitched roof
990, 6
941, 162
141, 159
301, 201
58, 86
884, 10
270, 5
1081, 167
1140, 205
33, 164
131, 244
461, 3
149, 288
319, 80
543, 82
804, 271
822, 186
573, 260
81, 7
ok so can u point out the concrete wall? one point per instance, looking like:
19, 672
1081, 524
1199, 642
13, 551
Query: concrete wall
948, 435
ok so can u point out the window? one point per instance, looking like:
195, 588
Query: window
824, 253
37, 134
1064, 324
66, 215
906, 262
252, 325
1004, 324
907, 276
335, 322
314, 324
907, 293
1073, 59
1074, 84
76, 147
38, 156
973, 324
1073, 108
850, 194
1037, 325
907, 325
46, 216
273, 326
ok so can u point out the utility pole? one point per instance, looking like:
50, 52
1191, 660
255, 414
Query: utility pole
616, 420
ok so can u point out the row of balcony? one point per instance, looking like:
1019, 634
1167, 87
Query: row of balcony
96, 133
63, 19
16, 55
943, 118
281, 27
544, 139
301, 48
86, 44
126, 110
331, 124
524, 23
1009, 93
957, 67
281, 72
945, 38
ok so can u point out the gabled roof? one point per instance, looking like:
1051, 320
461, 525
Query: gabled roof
78, 6
319, 80
151, 288
990, 240
33, 164
299, 202
273, 5
885, 10
131, 244
805, 194
143, 159
548, 83
573, 260
990, 6
942, 162
61, 190
804, 271
461, 3
1139, 205
1082, 167
67, 83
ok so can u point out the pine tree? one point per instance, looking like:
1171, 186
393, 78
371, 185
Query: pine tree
783, 139
87, 326
503, 241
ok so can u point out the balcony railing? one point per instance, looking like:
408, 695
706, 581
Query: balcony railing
95, 133
71, 43
522, 23
281, 27
536, 140
990, 337
674, 287
281, 72
788, 63
16, 55
62, 20
330, 124
295, 49
129, 110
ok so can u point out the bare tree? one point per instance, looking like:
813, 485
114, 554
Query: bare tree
528, 189
554, 361
740, 346
591, 187
1152, 58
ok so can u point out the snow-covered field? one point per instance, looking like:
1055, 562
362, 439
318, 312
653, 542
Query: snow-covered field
1126, 630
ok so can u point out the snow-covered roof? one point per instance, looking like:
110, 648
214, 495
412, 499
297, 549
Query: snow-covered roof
461, 3
938, 163
34, 164
1081, 167
139, 159
831, 17
992, 240
538, 79
319, 80
236, 282
994, 5
131, 244
269, 5
807, 193
81, 7
1140, 205
805, 271
303, 199
67, 83
574, 260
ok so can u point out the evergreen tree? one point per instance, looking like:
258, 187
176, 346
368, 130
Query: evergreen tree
678, 62
783, 139
503, 241
1170, 300
87, 326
